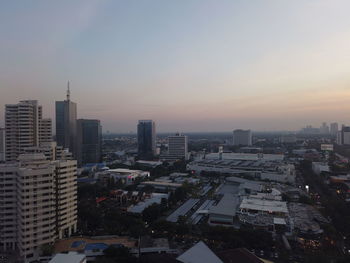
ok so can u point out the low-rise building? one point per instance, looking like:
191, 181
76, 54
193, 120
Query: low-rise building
71, 257
263, 169
319, 167
161, 186
154, 198
127, 176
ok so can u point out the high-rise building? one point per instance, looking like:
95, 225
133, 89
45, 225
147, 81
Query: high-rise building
89, 141
343, 136
24, 127
242, 137
324, 129
2, 144
38, 203
177, 147
66, 124
45, 130
146, 139
334, 128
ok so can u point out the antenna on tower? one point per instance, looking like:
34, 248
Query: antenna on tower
68, 92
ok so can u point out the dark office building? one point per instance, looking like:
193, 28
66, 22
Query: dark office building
66, 124
146, 139
89, 141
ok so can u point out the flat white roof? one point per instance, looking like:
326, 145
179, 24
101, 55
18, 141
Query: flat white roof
279, 221
264, 205
199, 253
71, 257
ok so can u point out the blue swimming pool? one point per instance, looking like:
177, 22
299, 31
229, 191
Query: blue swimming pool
78, 243
93, 246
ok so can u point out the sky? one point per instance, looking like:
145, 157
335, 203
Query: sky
190, 65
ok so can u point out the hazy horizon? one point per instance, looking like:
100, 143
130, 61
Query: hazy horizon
190, 66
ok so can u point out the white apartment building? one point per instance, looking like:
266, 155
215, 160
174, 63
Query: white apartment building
66, 197
242, 137
24, 128
38, 203
177, 147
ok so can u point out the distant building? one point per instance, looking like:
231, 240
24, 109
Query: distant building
290, 138
24, 128
324, 129
66, 124
310, 130
89, 145
334, 129
177, 147
2, 144
146, 139
242, 137
343, 136
125, 176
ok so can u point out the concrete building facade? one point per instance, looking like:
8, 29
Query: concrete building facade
66, 124
89, 141
24, 127
177, 147
334, 128
343, 136
242, 137
2, 144
38, 203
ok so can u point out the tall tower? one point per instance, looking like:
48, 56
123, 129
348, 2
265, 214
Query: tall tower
89, 141
66, 123
24, 128
146, 139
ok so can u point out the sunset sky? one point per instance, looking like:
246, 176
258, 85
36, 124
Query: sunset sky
189, 65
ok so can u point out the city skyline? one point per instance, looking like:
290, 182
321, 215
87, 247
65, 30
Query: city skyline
261, 66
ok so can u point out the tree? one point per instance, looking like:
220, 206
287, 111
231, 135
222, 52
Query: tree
119, 254
151, 213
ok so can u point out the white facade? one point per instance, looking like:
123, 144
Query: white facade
32, 207
66, 204
242, 137
24, 128
177, 147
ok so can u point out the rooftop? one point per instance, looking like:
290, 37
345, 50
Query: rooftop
71, 257
264, 205
199, 253
227, 205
